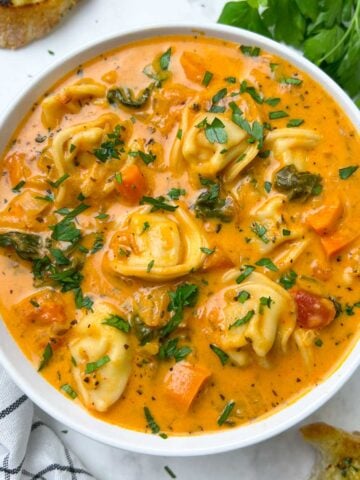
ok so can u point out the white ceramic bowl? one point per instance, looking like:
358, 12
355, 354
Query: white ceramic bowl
53, 402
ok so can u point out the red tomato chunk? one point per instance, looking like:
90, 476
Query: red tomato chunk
313, 311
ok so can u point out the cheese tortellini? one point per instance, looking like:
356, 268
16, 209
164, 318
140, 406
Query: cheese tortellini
68, 100
266, 312
157, 246
92, 340
206, 158
73, 153
290, 145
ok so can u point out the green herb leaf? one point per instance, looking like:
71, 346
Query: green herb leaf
223, 356
267, 263
117, 322
244, 88
242, 296
278, 114
147, 158
295, 122
207, 251
209, 203
345, 173
112, 147
93, 366
69, 390
125, 96
19, 186
207, 78
176, 193
272, 101
260, 231
267, 187
250, 51
46, 357
185, 295
165, 59
226, 413
59, 181
243, 320
170, 350
28, 246
158, 203
154, 427
169, 471
245, 273
288, 280
215, 132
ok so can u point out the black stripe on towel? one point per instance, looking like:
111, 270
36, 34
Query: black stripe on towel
61, 468
4, 413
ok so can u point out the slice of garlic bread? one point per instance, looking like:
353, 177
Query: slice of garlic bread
22, 21
340, 452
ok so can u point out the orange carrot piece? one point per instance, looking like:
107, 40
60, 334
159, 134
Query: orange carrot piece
337, 241
132, 184
183, 382
193, 66
324, 220
218, 259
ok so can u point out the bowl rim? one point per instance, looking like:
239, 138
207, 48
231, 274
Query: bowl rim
75, 417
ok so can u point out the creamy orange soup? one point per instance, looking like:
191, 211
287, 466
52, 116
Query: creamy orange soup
179, 235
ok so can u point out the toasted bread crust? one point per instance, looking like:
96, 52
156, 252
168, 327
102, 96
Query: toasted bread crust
340, 452
21, 25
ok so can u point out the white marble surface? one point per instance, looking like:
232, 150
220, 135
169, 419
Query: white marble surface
285, 457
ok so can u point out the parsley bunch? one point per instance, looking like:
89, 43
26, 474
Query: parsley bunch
327, 31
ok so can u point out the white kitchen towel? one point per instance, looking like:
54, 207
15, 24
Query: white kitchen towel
28, 448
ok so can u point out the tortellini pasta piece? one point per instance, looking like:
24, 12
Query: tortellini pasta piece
68, 100
304, 339
290, 145
268, 313
206, 158
157, 246
73, 153
91, 341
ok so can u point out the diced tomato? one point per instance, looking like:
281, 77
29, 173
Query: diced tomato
313, 311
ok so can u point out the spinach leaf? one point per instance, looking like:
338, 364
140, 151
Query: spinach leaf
126, 96
143, 332
209, 203
27, 245
297, 185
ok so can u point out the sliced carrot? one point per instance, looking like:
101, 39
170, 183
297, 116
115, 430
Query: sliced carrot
183, 382
17, 168
132, 183
337, 241
324, 219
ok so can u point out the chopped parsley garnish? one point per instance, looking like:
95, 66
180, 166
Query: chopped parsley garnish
98, 243
150, 266
255, 131
69, 390
179, 134
230, 79
295, 122
118, 178
117, 322
245, 273
147, 158
288, 280
267, 187
278, 114
46, 357
272, 101
146, 226
346, 172
112, 147
59, 257
226, 413
154, 427
126, 95
66, 230
158, 203
46, 198
219, 95
223, 356
286, 232
18, 186
318, 342
215, 132
165, 59
59, 181
243, 320
267, 263
244, 88
170, 349
260, 231
93, 366
250, 51
176, 193
242, 296
185, 295
291, 81
82, 301
207, 78
264, 302
102, 216
207, 251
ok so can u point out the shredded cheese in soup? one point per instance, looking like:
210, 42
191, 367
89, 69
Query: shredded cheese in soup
179, 238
